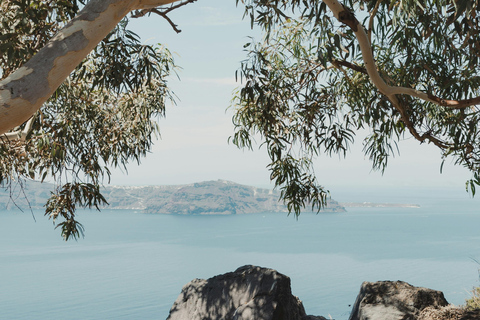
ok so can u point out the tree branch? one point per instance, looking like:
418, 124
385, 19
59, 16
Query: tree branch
370, 22
455, 104
24, 91
162, 13
150, 4
20, 135
347, 17
349, 65
452, 104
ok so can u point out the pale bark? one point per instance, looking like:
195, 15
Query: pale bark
23, 92
343, 15
20, 134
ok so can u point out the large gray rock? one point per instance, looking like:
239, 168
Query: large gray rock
394, 300
249, 293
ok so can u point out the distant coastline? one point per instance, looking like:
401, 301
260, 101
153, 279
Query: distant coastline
378, 205
202, 198
218, 197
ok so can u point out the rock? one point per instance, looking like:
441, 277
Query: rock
394, 300
449, 312
250, 292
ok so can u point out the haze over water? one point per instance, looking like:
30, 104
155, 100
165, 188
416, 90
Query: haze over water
133, 265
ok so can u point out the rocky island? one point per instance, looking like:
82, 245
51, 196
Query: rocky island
208, 197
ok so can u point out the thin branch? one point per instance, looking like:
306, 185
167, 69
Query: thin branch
455, 104
339, 67
411, 128
370, 22
163, 13
22, 186
176, 6
349, 65
347, 17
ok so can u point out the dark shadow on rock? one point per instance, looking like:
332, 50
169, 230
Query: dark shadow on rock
250, 292
470, 315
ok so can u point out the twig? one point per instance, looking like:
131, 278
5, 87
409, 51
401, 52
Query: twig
370, 22
349, 65
22, 188
163, 13
176, 6
339, 67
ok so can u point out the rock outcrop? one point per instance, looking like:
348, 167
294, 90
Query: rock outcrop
250, 292
255, 293
394, 300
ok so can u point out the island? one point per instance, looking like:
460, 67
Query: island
202, 198
208, 197
378, 205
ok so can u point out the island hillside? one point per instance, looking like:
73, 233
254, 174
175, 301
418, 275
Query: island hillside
208, 197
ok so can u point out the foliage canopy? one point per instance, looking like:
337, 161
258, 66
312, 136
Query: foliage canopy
102, 116
322, 72
307, 89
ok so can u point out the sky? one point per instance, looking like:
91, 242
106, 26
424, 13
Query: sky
194, 144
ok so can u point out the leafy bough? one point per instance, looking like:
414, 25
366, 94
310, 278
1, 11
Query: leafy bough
320, 75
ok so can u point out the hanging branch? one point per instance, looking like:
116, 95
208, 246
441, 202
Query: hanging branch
347, 17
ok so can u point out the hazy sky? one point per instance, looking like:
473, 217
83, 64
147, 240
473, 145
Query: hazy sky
194, 143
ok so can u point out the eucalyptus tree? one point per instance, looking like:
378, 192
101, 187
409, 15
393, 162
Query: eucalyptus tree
325, 70
99, 88
77, 98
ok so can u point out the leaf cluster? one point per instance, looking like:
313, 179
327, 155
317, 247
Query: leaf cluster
103, 116
26, 27
306, 92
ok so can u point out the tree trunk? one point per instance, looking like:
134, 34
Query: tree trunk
23, 92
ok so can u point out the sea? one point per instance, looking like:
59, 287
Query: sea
133, 265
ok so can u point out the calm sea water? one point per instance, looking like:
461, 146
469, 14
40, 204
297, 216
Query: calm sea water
133, 265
